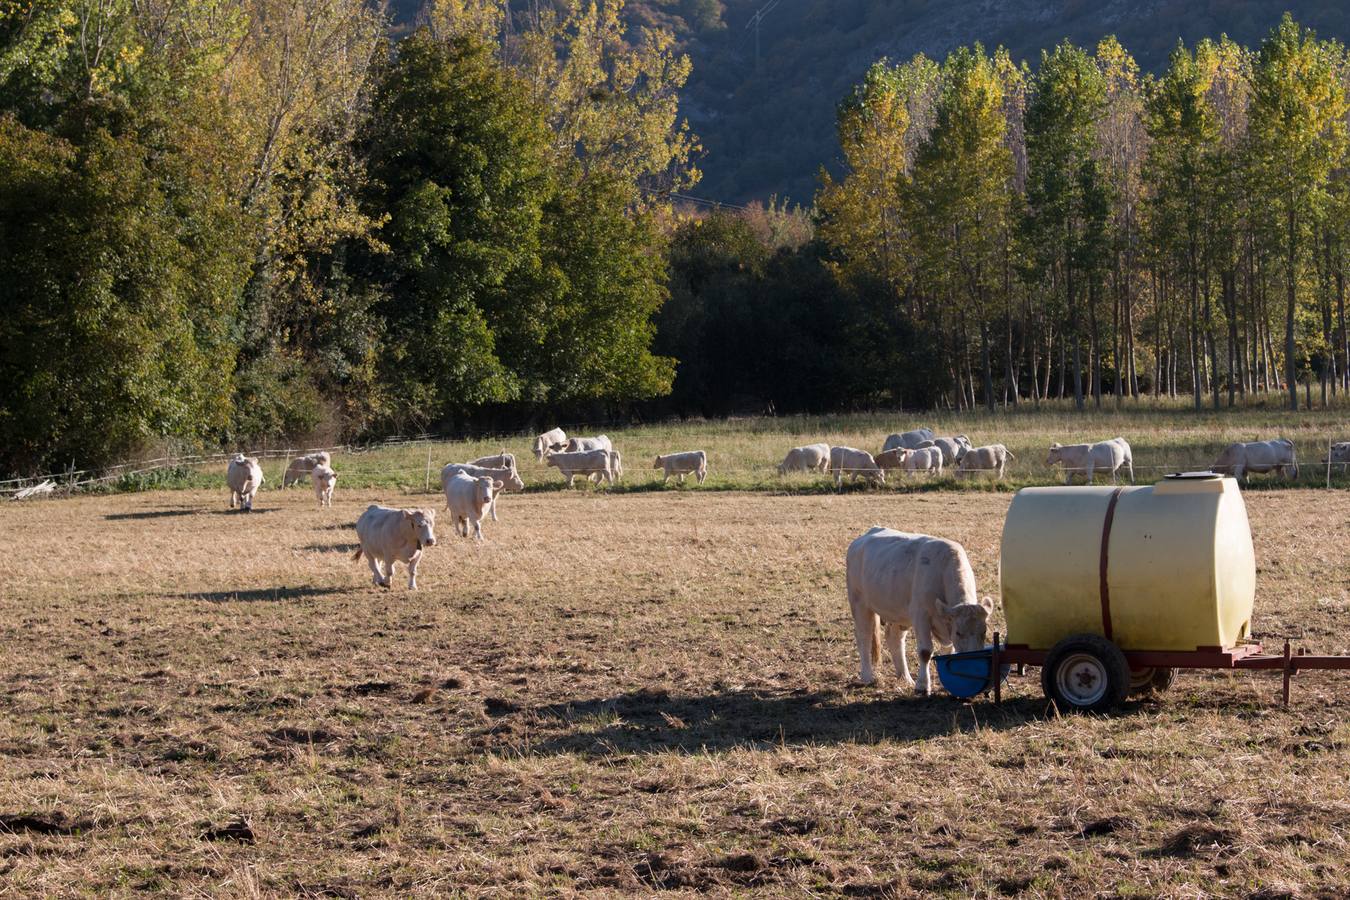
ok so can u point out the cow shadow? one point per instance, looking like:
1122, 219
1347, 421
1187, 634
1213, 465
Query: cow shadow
151, 514
646, 722
257, 510
333, 548
263, 595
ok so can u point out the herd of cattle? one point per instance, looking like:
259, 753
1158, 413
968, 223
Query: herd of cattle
388, 536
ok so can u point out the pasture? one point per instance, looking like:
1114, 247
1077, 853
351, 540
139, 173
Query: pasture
616, 693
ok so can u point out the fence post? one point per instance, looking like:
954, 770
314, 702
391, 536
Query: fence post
1329, 440
427, 486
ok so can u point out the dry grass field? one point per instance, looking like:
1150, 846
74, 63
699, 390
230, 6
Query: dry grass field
619, 694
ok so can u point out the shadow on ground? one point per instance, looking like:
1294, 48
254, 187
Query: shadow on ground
260, 595
332, 548
153, 514
654, 721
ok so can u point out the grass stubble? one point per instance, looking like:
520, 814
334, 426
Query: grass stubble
618, 694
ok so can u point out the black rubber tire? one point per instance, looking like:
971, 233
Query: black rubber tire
1103, 673
1151, 680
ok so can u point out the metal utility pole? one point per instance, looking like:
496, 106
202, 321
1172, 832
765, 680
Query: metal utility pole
755, 21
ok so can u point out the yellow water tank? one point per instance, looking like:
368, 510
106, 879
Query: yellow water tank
1166, 567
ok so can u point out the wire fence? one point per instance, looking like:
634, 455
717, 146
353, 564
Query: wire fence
73, 479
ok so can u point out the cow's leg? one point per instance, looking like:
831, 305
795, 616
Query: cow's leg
494, 508
897, 637
1113, 475
478, 528
865, 633
923, 640
412, 570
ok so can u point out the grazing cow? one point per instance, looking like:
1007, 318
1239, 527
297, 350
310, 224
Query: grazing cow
925, 459
893, 458
615, 466
299, 468
580, 445
993, 458
1087, 458
1239, 459
244, 476
810, 458
855, 463
588, 462
910, 440
1340, 453
468, 499
912, 581
953, 448
691, 462
390, 535
508, 478
324, 480
501, 460
549, 440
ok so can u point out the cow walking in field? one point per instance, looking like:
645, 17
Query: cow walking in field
691, 462
244, 476
588, 463
1088, 458
390, 536
325, 479
912, 582
505, 478
1239, 459
854, 463
549, 440
469, 499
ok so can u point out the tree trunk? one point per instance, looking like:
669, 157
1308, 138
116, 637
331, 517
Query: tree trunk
1228, 278
1291, 296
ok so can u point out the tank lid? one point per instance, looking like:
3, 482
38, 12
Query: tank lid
1191, 475
1190, 483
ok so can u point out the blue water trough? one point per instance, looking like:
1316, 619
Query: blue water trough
967, 674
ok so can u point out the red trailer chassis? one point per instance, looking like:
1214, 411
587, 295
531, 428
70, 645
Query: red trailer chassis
1243, 656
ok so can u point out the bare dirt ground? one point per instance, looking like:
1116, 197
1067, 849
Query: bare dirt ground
619, 694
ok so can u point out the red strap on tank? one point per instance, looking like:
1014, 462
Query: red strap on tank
1101, 571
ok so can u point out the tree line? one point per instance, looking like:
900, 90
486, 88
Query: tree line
1084, 230
229, 222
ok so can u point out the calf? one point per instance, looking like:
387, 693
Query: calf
893, 458
501, 460
856, 463
468, 499
589, 462
390, 535
1258, 456
301, 467
325, 479
993, 458
1087, 458
912, 581
508, 479
691, 462
810, 458
549, 440
244, 476
925, 459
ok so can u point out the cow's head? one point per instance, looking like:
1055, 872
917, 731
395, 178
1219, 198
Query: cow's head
422, 523
970, 623
657, 465
1054, 456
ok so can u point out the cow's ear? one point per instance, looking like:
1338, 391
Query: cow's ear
497, 485
988, 603
408, 515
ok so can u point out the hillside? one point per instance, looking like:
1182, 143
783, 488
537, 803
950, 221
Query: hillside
767, 130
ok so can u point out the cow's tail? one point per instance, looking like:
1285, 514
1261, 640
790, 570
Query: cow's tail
1009, 452
357, 554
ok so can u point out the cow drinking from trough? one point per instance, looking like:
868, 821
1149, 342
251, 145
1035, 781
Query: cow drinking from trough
912, 581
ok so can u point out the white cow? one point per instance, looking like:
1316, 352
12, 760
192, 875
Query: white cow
893, 458
390, 535
549, 440
588, 462
1340, 453
1258, 456
810, 458
953, 448
1087, 458
468, 499
615, 466
299, 468
325, 479
508, 478
855, 463
925, 459
912, 581
993, 458
910, 440
244, 476
501, 460
580, 445
691, 462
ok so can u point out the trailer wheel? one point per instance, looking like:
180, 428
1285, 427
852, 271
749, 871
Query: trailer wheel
1085, 673
1152, 679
